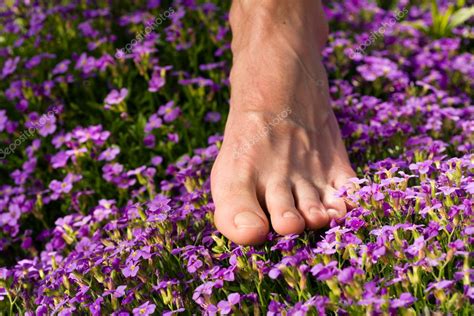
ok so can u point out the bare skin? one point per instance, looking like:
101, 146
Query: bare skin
282, 158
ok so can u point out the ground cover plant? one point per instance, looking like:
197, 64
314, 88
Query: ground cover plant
111, 114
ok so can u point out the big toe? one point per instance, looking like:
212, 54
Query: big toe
238, 216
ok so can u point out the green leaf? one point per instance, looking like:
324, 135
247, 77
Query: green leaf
460, 16
444, 20
418, 24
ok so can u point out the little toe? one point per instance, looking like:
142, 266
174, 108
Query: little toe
309, 203
335, 206
284, 216
343, 180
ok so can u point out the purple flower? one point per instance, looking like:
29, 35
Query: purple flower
95, 307
441, 285
157, 160
22, 105
160, 204
175, 312
9, 66
169, 112
416, 247
120, 291
225, 306
156, 83
109, 154
376, 67
405, 300
86, 63
61, 67
347, 275
115, 97
355, 223
67, 311
153, 123
469, 187
421, 167
149, 141
274, 308
63, 187
60, 139
3, 120
274, 273
3, 293
48, 126
212, 117
173, 137
131, 269
325, 272
59, 188
144, 309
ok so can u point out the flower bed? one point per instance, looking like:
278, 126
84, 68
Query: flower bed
111, 118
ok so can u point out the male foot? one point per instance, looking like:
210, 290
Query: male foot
282, 153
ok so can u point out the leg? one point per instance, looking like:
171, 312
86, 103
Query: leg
282, 153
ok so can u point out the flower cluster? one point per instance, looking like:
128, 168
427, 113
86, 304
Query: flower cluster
108, 210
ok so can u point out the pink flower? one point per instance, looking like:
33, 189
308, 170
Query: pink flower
156, 83
48, 126
115, 97
109, 154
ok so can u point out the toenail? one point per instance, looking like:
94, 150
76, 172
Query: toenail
290, 214
335, 213
248, 220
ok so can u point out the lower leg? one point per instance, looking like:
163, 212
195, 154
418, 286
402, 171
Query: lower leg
284, 39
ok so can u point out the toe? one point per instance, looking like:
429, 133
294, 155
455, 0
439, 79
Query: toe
242, 220
238, 215
335, 206
309, 203
343, 180
284, 216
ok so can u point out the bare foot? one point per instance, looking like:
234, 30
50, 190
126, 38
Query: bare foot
282, 153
